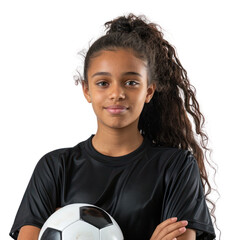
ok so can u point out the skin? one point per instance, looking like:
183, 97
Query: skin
28, 232
172, 230
117, 134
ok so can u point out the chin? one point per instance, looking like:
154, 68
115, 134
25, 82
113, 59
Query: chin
119, 124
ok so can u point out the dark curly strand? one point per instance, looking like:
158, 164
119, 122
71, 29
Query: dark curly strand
164, 120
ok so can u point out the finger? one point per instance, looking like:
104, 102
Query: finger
173, 230
173, 235
163, 225
167, 227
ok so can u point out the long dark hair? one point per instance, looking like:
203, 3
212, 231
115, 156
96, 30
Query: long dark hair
164, 120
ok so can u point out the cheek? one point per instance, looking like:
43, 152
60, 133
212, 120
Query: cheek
138, 102
96, 96
97, 101
140, 98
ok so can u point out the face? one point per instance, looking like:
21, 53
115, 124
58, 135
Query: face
117, 88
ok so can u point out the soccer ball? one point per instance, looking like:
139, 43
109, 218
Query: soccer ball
80, 221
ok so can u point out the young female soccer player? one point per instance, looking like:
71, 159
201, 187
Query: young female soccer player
143, 165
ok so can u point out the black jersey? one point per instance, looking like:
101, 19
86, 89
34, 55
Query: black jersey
139, 190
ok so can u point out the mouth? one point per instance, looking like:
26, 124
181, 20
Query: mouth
116, 109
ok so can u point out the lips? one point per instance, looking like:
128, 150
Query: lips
116, 109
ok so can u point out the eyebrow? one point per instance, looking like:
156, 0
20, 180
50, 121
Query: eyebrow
108, 74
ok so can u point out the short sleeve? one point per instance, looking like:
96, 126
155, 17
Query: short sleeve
184, 196
40, 198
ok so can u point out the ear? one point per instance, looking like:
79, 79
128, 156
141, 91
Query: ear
85, 88
150, 92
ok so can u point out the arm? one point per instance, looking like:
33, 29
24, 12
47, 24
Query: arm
190, 234
171, 230
184, 197
28, 232
40, 198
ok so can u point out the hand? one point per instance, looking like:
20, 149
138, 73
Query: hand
169, 229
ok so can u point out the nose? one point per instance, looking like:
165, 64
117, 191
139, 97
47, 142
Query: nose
117, 92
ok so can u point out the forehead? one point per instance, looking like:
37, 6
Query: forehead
116, 60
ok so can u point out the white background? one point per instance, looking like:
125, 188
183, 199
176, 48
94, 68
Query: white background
42, 109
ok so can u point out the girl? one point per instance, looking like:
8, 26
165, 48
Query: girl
143, 165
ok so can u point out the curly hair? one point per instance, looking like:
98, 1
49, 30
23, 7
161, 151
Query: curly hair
164, 120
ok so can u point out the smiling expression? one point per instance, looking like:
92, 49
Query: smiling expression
117, 88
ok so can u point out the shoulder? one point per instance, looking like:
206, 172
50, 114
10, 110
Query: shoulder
172, 161
181, 166
53, 159
170, 155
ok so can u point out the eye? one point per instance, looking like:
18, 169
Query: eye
102, 84
132, 83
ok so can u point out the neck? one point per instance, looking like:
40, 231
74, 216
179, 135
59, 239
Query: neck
117, 142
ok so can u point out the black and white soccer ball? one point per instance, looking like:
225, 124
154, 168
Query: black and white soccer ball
80, 221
